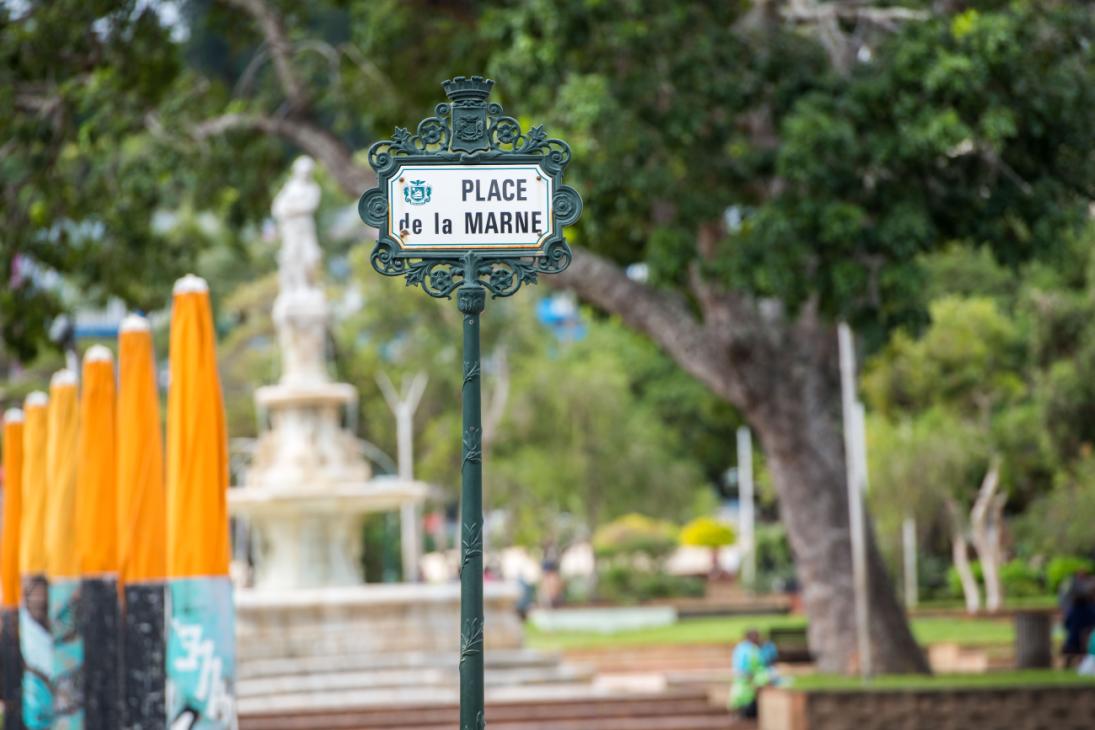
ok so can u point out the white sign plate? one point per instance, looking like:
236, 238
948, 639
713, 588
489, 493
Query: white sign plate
438, 207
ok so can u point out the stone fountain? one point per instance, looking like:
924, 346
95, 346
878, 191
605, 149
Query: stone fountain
311, 632
308, 488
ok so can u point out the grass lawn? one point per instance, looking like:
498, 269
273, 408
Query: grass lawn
1023, 678
726, 629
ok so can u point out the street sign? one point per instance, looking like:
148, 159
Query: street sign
470, 180
470, 207
469, 204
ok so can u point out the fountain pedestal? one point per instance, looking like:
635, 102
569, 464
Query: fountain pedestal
308, 490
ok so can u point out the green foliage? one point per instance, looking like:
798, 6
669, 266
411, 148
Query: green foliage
707, 532
579, 444
1062, 567
954, 583
626, 584
635, 549
968, 361
635, 535
775, 564
1021, 580
1059, 521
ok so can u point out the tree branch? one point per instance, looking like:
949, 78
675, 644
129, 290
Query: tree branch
317, 141
666, 318
280, 49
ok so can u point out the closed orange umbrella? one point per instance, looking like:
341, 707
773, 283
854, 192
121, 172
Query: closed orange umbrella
142, 509
35, 641
62, 559
197, 441
62, 552
32, 532
202, 612
142, 527
98, 626
13, 498
11, 660
96, 525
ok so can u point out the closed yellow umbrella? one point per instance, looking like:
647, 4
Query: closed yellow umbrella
202, 612
34, 636
97, 544
142, 527
142, 511
62, 552
13, 498
11, 661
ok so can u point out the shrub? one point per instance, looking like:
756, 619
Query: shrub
707, 532
635, 536
627, 584
1062, 567
954, 584
1019, 580
775, 565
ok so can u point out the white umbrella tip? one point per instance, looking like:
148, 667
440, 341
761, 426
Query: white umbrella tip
13, 415
135, 323
190, 284
36, 399
62, 377
98, 353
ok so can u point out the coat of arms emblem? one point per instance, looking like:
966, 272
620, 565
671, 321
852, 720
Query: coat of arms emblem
417, 192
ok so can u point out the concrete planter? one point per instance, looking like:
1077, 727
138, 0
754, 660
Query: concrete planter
1015, 708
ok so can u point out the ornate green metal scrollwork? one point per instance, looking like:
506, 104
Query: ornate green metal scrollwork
469, 131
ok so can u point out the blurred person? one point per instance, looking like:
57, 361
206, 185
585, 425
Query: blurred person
750, 674
1087, 666
1079, 620
1078, 583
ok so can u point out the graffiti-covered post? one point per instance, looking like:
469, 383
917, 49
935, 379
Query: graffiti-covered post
470, 204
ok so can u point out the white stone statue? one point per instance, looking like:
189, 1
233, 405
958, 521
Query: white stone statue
294, 210
300, 311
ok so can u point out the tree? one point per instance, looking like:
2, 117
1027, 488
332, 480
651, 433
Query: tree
964, 369
579, 443
773, 184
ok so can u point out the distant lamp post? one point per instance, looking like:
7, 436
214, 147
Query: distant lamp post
469, 204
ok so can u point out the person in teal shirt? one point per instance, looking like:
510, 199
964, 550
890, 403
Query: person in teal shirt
750, 674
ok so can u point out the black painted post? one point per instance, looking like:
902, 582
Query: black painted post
98, 623
144, 679
11, 669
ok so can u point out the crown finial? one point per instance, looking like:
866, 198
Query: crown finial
460, 88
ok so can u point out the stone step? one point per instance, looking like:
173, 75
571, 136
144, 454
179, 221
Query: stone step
711, 721
667, 711
418, 677
321, 663
417, 696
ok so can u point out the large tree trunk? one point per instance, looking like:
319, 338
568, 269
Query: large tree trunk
783, 374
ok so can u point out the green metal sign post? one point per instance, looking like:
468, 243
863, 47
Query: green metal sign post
470, 203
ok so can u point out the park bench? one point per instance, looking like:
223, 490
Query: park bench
791, 644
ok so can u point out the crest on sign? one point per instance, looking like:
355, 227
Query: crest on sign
417, 192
